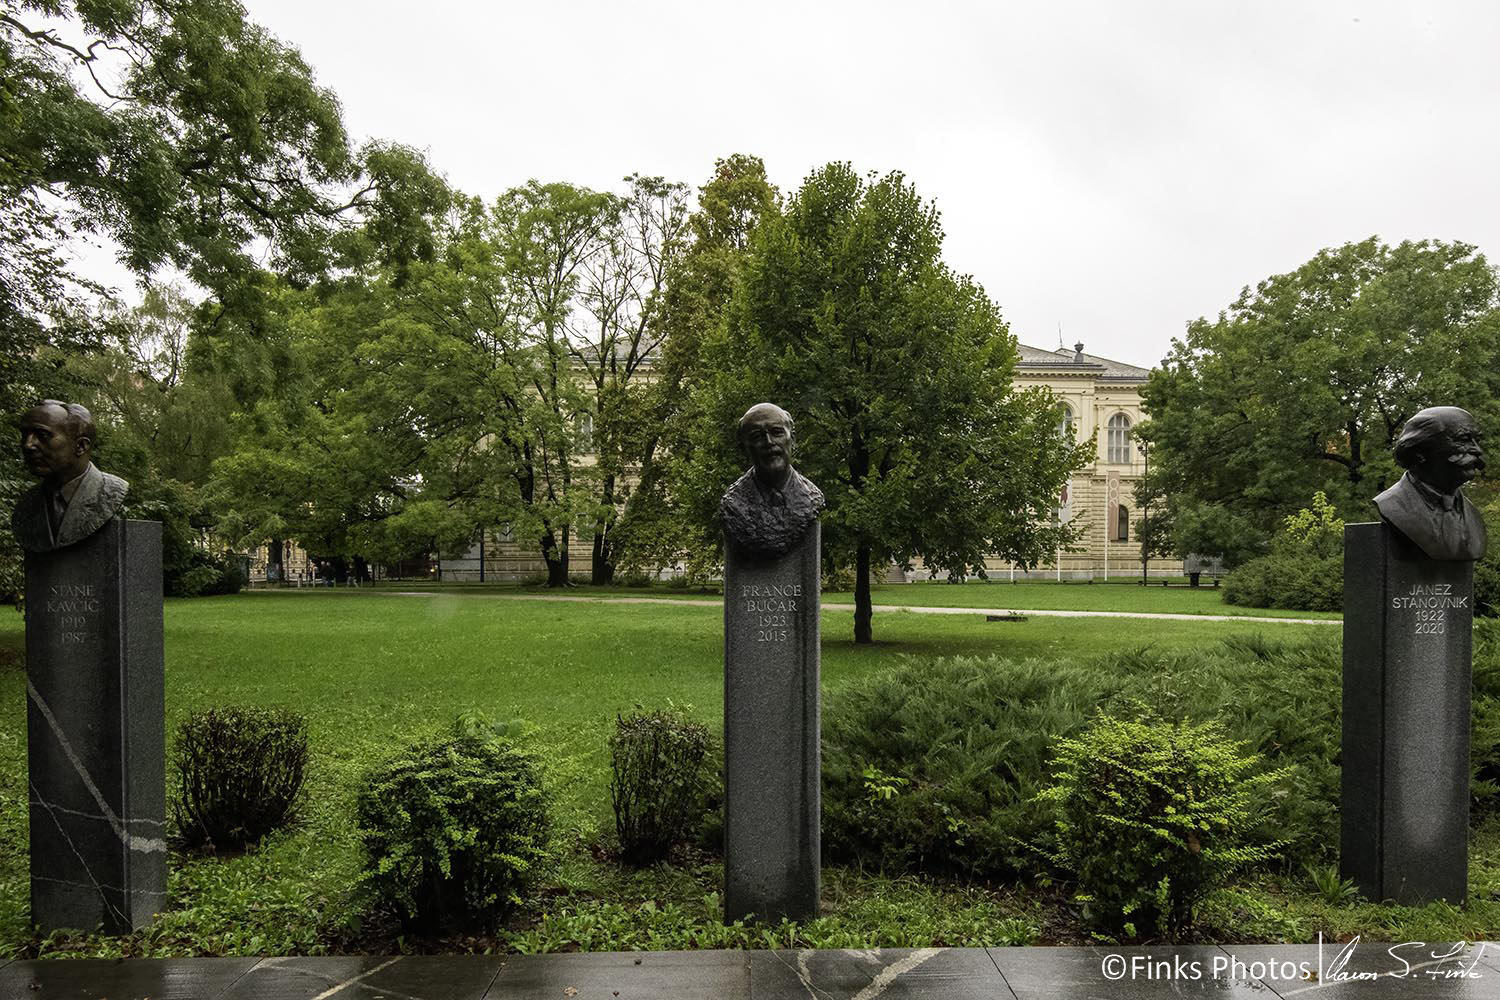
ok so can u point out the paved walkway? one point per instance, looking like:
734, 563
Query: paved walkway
1233, 972
994, 612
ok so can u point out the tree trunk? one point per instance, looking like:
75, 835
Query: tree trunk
863, 611
275, 569
602, 568
557, 562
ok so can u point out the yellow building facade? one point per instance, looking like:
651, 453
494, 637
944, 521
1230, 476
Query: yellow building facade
1097, 396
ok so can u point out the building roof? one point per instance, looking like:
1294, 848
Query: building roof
1035, 361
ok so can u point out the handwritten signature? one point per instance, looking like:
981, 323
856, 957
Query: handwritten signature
1443, 962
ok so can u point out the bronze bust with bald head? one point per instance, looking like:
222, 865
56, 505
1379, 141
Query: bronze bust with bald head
74, 499
769, 509
1439, 448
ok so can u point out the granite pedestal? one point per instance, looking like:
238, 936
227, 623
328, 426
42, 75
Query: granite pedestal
95, 730
1408, 623
772, 805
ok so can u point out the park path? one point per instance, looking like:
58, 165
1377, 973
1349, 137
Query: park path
997, 612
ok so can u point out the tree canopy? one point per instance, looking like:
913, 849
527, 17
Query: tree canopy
898, 374
1303, 383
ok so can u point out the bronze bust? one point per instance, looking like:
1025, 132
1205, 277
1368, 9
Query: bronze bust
769, 509
1439, 449
74, 499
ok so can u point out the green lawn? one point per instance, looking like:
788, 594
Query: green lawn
373, 670
1115, 595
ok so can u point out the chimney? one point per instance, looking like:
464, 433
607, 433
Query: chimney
1078, 355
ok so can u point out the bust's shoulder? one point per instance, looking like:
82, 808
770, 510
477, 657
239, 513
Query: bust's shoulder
741, 490
112, 487
1400, 495
808, 487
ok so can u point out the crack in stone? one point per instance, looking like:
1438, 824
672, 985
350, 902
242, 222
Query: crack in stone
88, 815
149, 845
103, 894
101, 885
337, 985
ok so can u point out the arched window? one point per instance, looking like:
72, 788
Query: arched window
1119, 438
1122, 524
1065, 422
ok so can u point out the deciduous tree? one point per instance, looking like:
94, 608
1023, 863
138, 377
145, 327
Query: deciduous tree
898, 373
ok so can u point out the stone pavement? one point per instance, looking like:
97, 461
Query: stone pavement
1231, 972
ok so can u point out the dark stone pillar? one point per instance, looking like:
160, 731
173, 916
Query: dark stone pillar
1408, 623
95, 730
772, 803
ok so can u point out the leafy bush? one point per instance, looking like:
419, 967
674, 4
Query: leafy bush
838, 580
656, 781
1487, 570
239, 773
1153, 816
1304, 570
453, 829
935, 765
205, 575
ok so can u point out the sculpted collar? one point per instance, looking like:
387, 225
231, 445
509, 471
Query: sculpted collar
1436, 500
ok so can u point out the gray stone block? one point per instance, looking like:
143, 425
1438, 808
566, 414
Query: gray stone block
410, 977
772, 805
133, 979
95, 730
1408, 623
626, 975
889, 973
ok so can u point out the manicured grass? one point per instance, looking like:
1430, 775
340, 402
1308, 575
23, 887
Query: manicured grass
1115, 595
1098, 596
374, 670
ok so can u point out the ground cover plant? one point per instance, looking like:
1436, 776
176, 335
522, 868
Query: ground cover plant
375, 672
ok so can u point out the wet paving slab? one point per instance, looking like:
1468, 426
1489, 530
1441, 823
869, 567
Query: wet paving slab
639, 975
119, 979
411, 977
889, 973
1412, 971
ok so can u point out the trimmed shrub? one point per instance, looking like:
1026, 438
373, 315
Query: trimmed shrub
656, 781
1305, 570
1153, 816
453, 830
1294, 581
935, 765
239, 772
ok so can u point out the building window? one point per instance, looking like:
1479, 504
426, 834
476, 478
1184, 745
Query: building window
1119, 438
1122, 524
1065, 422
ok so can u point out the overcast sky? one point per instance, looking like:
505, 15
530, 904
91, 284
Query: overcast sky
1118, 168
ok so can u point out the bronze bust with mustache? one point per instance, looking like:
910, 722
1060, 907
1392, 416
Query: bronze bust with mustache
1439, 448
74, 499
769, 509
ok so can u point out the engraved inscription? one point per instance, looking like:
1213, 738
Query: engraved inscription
774, 607
1431, 603
76, 607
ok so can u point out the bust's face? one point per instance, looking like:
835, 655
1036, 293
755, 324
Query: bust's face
768, 440
1453, 457
48, 446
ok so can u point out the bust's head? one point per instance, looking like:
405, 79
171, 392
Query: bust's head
765, 435
57, 439
1439, 446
